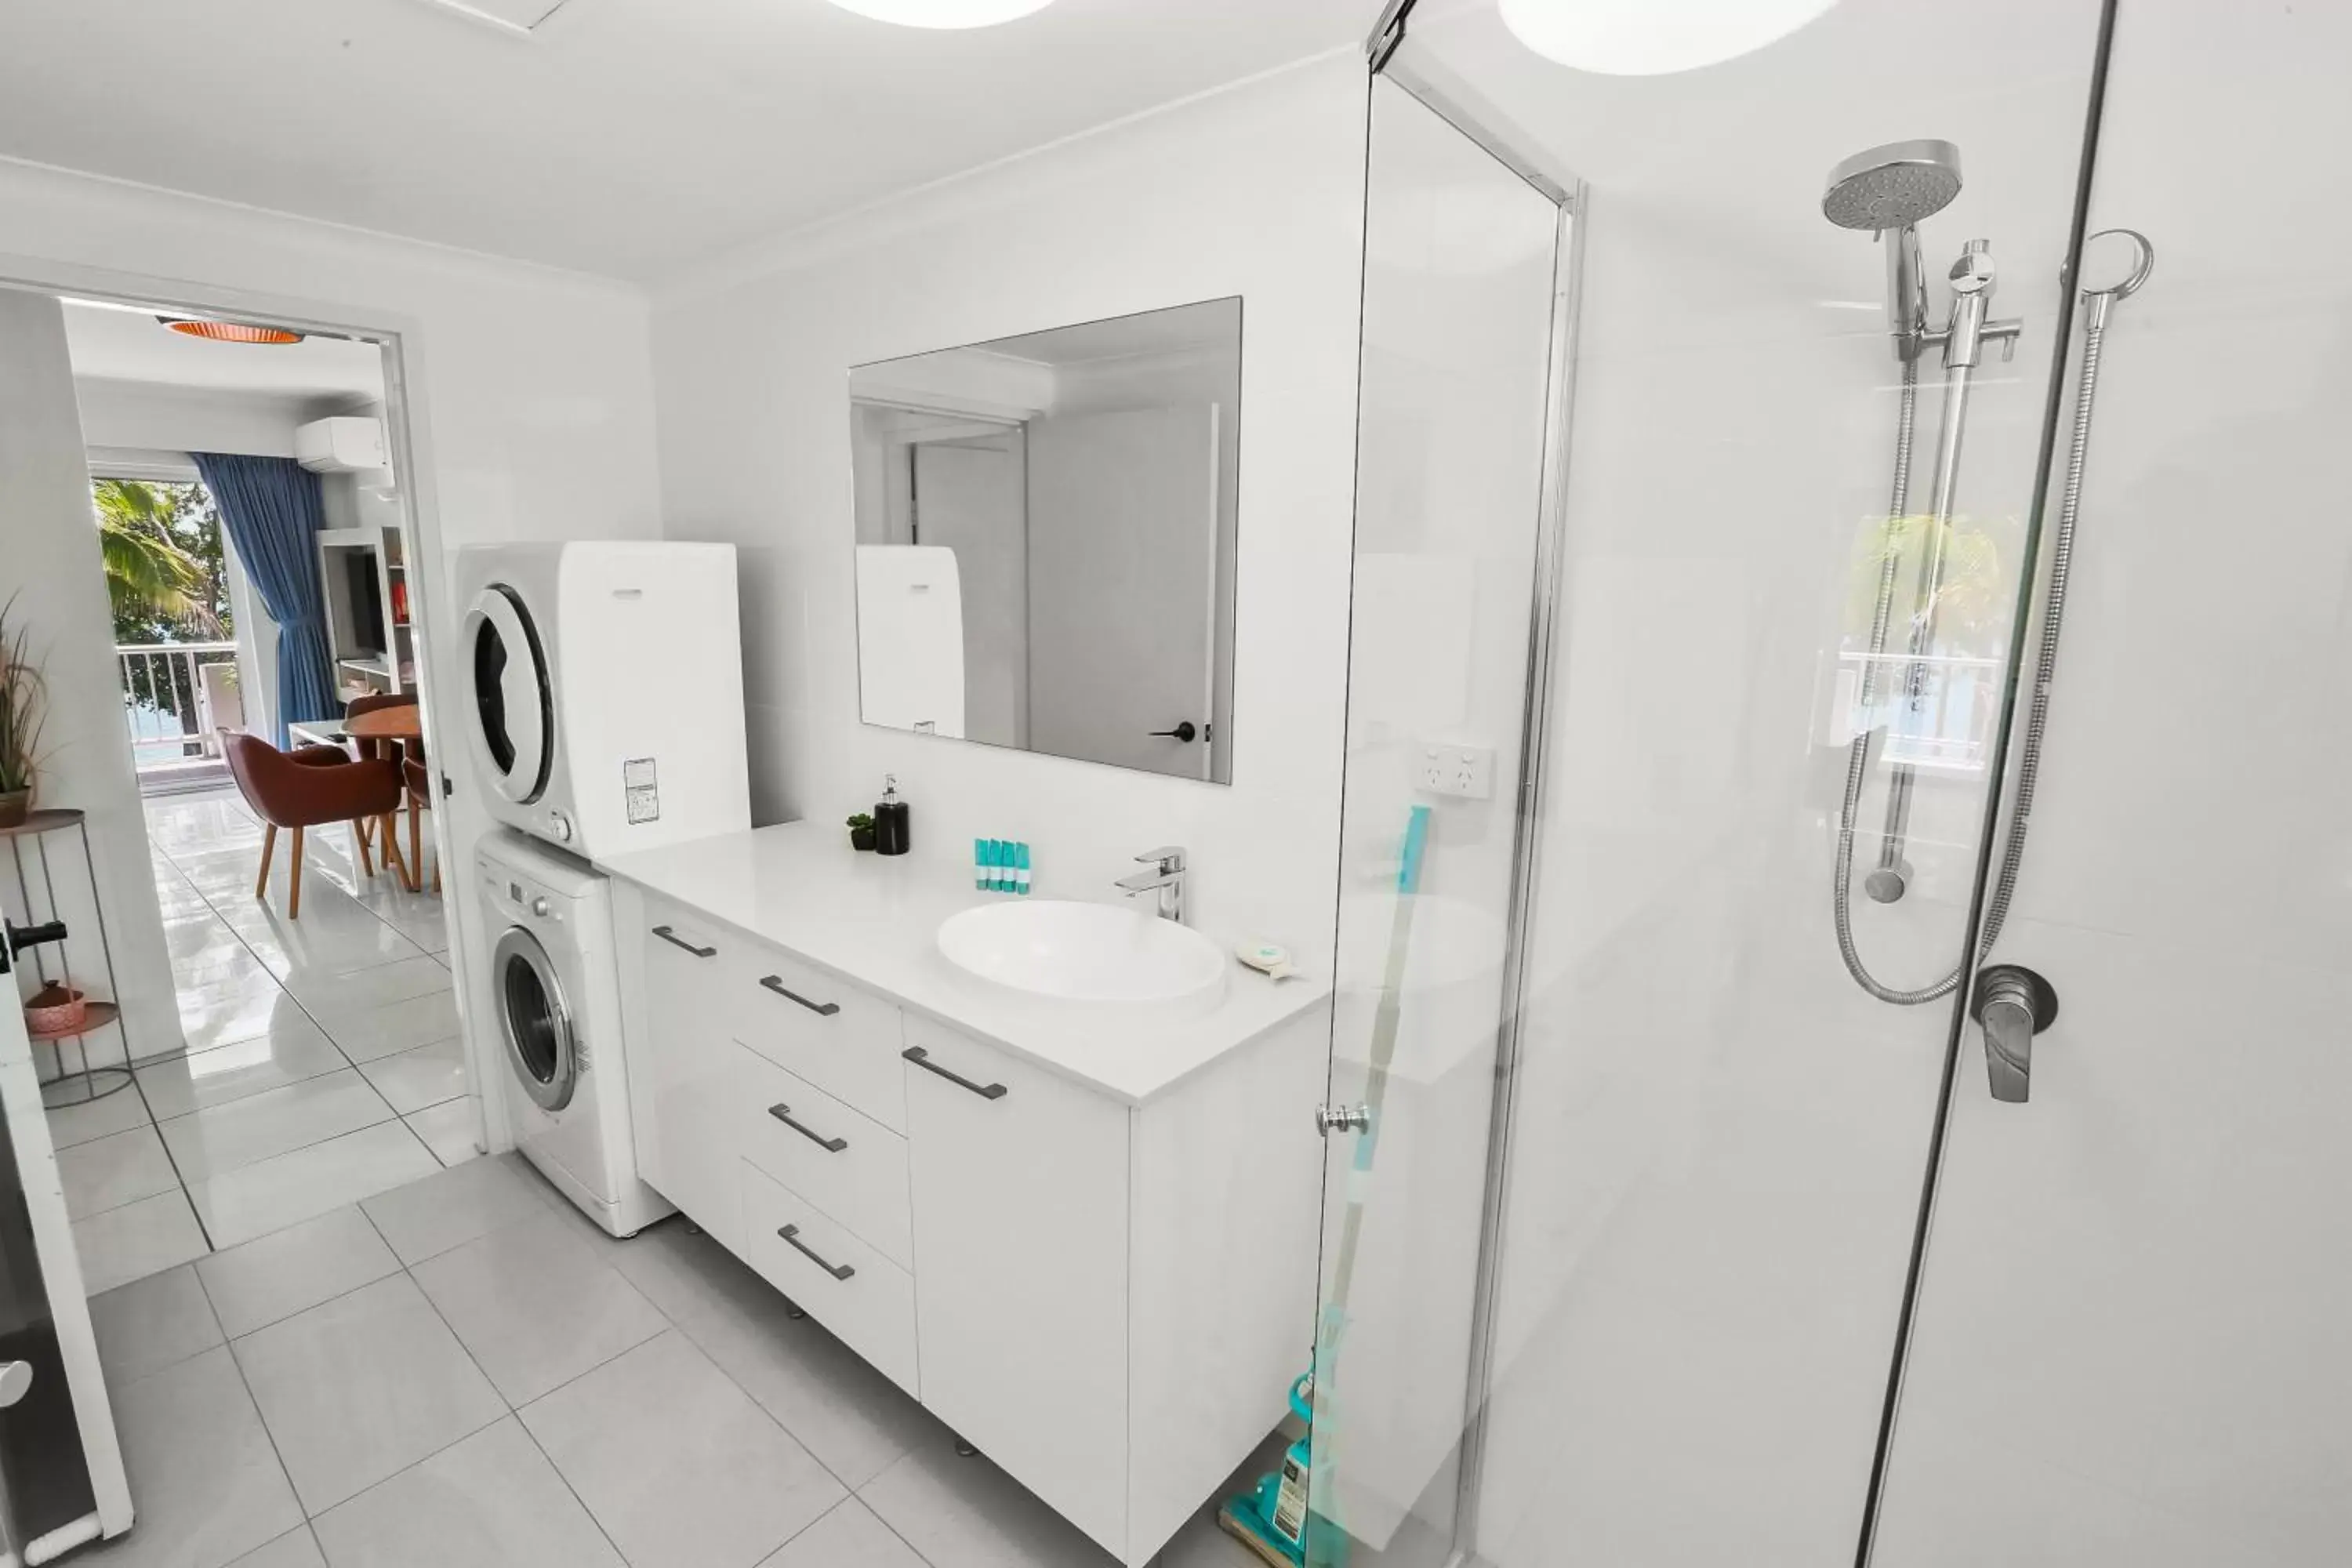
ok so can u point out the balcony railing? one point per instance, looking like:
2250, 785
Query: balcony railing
170, 704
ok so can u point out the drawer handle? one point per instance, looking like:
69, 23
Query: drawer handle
775, 982
784, 1113
792, 1233
922, 1059
675, 940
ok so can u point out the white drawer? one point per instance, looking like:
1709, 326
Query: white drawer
848, 1165
865, 1299
681, 1062
843, 1040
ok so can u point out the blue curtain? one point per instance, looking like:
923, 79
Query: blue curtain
272, 511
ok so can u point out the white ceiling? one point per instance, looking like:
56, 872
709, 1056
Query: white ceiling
626, 137
111, 344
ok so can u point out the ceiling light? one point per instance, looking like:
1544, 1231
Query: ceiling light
1651, 38
228, 331
944, 13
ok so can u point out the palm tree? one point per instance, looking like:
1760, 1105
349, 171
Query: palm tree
149, 575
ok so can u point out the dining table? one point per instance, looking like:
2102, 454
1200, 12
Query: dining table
404, 721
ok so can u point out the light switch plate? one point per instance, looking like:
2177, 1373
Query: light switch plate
1448, 768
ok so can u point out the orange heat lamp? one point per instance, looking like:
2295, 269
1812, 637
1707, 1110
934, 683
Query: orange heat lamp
229, 332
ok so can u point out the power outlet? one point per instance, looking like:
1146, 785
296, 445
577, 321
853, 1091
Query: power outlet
1465, 772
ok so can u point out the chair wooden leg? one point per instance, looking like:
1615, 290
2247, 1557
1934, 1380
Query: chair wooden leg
294, 898
415, 848
389, 839
359, 846
268, 848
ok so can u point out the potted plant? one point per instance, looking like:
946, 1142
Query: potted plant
861, 831
22, 699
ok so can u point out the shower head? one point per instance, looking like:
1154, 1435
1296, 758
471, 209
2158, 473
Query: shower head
1892, 186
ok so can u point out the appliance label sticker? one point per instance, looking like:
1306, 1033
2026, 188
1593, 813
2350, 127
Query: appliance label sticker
643, 789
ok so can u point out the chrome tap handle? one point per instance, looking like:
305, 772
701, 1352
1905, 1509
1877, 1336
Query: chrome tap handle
2012, 1004
1170, 858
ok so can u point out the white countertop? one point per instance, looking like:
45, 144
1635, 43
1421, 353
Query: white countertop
873, 920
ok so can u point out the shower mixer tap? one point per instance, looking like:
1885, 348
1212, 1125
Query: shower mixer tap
1964, 335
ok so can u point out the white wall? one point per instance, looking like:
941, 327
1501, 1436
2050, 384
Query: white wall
142, 416
54, 581
530, 397
1255, 193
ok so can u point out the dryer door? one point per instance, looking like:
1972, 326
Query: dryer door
514, 708
535, 1020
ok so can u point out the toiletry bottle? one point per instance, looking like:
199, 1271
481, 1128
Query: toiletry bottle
891, 836
980, 863
1021, 867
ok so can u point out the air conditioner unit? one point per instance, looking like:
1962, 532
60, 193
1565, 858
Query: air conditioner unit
346, 446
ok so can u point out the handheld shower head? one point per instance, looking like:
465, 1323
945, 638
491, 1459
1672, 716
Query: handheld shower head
1892, 186
1886, 192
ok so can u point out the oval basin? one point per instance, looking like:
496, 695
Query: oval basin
1099, 954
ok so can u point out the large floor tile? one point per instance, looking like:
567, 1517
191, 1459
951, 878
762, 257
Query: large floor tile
853, 1419
536, 1306
294, 1270
848, 1536
271, 1194
397, 1026
106, 1173
423, 1219
241, 1015
220, 1139
203, 1475
326, 944
426, 1076
491, 1501
960, 1511
361, 1387
117, 1112
450, 1129
295, 1548
136, 1240
333, 996
676, 1463
296, 1050
153, 1323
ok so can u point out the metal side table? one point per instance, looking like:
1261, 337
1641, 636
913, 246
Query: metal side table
68, 1087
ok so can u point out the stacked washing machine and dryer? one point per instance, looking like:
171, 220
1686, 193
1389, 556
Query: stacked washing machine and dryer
605, 714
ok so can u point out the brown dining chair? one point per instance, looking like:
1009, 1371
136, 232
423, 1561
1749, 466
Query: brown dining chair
309, 788
371, 749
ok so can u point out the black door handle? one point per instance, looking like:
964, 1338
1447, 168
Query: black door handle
1183, 732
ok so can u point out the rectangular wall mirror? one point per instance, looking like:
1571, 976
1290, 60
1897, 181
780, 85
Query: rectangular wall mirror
1045, 530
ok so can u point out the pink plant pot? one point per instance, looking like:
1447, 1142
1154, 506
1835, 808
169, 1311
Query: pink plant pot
54, 1010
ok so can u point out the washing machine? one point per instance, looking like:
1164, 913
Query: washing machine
606, 686
554, 986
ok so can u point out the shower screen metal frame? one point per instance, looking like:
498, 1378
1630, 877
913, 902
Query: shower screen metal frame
1493, 134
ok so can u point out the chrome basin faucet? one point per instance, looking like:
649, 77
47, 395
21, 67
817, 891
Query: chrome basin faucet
1167, 881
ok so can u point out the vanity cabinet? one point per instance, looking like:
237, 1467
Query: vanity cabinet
1109, 1299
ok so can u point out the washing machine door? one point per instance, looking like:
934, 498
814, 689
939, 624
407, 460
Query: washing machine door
535, 1020
514, 704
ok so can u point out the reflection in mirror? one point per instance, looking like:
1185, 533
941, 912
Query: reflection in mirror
1045, 532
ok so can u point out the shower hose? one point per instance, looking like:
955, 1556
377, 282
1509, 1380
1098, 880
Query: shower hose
2037, 717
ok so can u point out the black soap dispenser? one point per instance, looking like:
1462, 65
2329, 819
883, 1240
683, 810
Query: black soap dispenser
891, 834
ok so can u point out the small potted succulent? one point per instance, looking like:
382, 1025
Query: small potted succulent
861, 831
22, 699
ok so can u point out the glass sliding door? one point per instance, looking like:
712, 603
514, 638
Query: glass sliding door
1655, 1051
2134, 1337
1467, 283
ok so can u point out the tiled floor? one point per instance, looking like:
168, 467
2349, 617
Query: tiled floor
462, 1373
323, 1063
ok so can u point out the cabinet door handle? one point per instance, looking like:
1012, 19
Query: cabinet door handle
784, 1113
792, 1235
922, 1059
675, 940
775, 982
